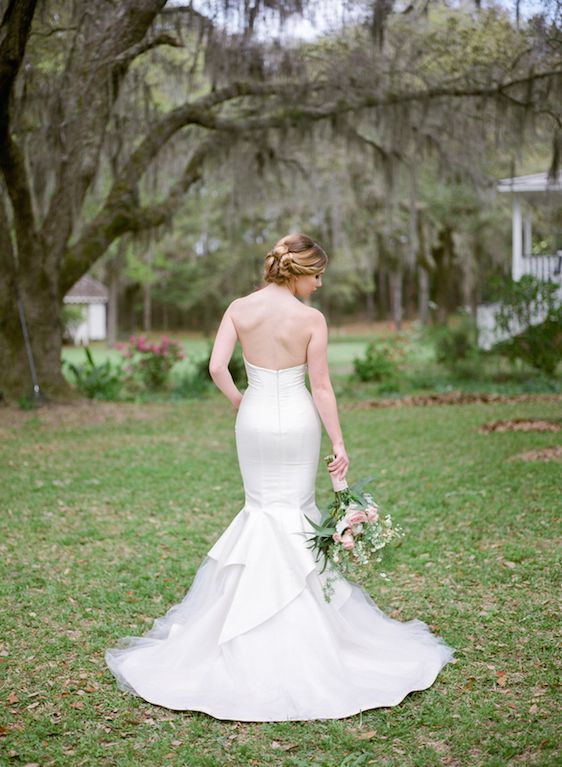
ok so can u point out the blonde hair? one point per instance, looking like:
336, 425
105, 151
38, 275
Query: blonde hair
292, 256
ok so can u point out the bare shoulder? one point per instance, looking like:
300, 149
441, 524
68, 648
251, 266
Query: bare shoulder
242, 301
316, 316
235, 304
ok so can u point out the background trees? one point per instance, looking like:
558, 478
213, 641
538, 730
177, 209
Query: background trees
140, 117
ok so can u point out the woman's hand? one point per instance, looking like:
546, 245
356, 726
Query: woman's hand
340, 464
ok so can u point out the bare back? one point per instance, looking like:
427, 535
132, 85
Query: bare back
273, 330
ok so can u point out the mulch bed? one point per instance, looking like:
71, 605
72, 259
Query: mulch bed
521, 424
450, 398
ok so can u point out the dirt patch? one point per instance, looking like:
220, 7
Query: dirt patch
552, 453
451, 398
521, 424
375, 329
83, 413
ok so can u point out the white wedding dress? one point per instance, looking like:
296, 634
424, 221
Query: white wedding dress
254, 638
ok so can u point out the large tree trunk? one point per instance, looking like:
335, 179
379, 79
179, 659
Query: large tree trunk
370, 293
147, 308
446, 277
423, 295
395, 277
42, 311
382, 293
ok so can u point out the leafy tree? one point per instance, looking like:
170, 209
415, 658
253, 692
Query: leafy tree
93, 145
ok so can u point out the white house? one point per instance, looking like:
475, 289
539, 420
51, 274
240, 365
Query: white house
523, 190
92, 297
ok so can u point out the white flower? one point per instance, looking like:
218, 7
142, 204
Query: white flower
356, 529
341, 525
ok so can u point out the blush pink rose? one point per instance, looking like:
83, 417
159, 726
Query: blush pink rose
347, 541
372, 513
355, 517
336, 537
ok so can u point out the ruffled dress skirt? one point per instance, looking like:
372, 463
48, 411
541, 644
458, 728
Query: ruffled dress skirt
254, 638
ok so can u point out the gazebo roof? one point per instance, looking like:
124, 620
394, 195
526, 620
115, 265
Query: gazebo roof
535, 182
87, 291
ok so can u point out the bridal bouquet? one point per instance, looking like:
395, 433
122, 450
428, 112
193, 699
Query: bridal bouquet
351, 533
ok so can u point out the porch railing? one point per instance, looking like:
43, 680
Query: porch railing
544, 267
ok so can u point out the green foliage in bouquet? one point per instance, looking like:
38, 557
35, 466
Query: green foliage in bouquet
323, 540
351, 533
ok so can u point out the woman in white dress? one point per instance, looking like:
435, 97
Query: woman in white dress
254, 638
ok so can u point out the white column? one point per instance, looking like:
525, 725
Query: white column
516, 240
527, 234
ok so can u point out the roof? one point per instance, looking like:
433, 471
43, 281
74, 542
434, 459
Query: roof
87, 291
535, 182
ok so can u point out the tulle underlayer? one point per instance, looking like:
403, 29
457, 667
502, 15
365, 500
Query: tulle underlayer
255, 640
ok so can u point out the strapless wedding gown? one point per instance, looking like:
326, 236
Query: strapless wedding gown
253, 638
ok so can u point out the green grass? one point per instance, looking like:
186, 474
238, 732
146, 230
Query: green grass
108, 510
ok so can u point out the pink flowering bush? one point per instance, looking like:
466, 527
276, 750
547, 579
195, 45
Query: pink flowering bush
148, 365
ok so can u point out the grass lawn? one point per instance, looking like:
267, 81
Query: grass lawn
109, 508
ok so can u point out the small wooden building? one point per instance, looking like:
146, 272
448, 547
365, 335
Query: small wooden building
92, 297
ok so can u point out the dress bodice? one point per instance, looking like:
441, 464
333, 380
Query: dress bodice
275, 381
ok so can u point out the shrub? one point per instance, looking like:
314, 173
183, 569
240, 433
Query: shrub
191, 385
456, 347
539, 344
381, 361
103, 381
149, 365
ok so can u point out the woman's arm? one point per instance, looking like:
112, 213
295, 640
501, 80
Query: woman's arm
323, 393
225, 341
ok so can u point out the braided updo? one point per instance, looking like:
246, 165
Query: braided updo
292, 256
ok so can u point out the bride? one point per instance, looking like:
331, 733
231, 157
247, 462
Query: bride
254, 638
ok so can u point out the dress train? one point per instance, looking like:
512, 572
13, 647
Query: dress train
253, 639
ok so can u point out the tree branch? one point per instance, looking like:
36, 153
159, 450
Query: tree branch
122, 213
370, 101
141, 47
197, 112
98, 89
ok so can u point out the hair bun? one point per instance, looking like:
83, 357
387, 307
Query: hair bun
281, 250
293, 256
